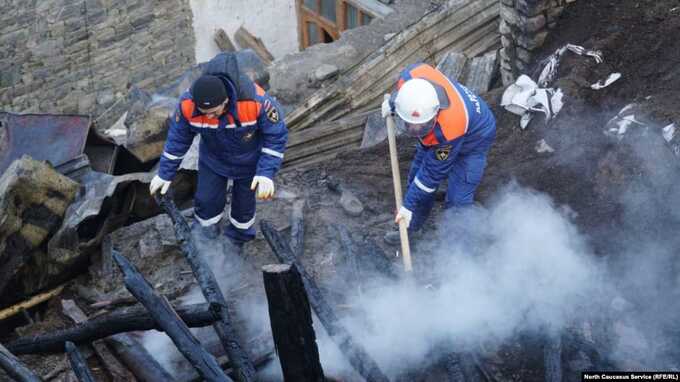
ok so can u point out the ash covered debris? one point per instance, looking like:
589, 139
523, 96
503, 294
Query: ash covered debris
568, 262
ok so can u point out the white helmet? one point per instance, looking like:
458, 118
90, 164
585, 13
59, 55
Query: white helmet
416, 101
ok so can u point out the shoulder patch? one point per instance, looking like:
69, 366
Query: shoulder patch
176, 117
442, 153
272, 113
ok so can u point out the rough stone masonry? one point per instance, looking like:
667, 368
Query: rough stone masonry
80, 56
525, 24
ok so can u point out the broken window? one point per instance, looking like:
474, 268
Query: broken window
321, 21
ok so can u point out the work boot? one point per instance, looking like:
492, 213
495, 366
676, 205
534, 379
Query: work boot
392, 237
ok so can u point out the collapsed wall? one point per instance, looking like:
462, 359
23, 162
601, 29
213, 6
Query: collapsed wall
525, 24
75, 56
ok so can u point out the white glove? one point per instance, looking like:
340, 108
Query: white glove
265, 187
159, 183
386, 109
404, 213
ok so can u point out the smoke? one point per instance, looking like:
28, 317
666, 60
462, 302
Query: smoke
643, 255
520, 265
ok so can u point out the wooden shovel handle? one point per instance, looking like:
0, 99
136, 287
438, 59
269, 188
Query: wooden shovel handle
396, 180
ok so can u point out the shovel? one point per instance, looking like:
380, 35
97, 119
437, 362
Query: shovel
396, 179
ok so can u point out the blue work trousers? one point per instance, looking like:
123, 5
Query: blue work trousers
463, 180
210, 200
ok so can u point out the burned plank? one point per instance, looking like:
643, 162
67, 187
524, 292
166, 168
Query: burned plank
211, 291
78, 363
354, 351
291, 322
137, 359
297, 228
167, 318
136, 319
191, 376
15, 368
110, 362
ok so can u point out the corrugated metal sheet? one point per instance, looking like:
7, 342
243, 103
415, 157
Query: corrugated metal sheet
50, 137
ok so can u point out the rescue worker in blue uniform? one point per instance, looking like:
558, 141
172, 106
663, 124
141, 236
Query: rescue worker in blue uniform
455, 128
243, 138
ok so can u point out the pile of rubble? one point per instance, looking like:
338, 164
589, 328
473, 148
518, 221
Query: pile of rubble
79, 225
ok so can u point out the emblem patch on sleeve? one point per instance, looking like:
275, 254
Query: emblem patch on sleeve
272, 113
442, 153
176, 117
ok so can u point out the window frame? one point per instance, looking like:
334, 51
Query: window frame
333, 28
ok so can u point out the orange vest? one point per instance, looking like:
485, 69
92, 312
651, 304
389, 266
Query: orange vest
453, 121
248, 111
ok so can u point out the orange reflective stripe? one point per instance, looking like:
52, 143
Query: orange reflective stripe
248, 111
187, 108
452, 120
188, 112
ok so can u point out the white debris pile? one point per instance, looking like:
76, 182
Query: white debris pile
634, 117
524, 97
527, 96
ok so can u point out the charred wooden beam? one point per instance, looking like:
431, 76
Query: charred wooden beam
15, 368
211, 291
78, 363
137, 359
354, 351
291, 321
297, 228
137, 319
204, 363
117, 371
191, 376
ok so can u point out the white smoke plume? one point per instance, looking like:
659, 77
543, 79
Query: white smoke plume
520, 265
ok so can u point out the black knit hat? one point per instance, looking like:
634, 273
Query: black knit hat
208, 92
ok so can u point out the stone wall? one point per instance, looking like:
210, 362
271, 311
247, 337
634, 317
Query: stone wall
525, 24
80, 56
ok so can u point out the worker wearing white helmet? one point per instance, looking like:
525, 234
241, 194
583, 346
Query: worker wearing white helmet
455, 128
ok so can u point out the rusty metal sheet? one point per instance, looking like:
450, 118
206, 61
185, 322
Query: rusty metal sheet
51, 137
